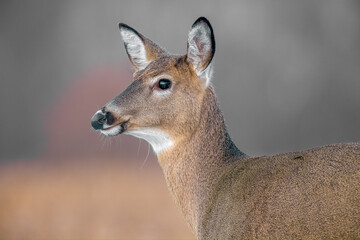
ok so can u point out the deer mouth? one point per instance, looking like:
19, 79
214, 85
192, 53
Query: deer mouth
115, 130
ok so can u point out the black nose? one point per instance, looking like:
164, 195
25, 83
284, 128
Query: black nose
101, 118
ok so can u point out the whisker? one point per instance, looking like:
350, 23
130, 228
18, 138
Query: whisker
104, 143
118, 141
146, 157
137, 155
109, 144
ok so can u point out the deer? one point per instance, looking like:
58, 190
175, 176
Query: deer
222, 192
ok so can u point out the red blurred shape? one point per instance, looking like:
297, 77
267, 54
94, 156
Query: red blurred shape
67, 128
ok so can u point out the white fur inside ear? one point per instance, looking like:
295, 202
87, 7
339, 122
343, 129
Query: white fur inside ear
135, 48
158, 139
207, 74
199, 50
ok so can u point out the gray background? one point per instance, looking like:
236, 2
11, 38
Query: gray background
286, 72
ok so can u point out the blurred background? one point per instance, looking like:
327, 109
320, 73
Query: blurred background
286, 75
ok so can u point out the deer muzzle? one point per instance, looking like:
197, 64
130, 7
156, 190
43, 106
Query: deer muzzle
101, 119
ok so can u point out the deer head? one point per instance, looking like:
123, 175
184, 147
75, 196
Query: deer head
163, 103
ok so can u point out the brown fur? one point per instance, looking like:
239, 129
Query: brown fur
225, 194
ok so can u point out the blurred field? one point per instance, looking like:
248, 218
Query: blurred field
86, 199
286, 74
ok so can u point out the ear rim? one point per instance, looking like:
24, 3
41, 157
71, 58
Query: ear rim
204, 68
123, 26
201, 20
205, 21
151, 50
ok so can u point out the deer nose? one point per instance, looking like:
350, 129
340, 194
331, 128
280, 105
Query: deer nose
100, 118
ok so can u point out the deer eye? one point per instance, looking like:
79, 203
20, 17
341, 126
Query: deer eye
163, 84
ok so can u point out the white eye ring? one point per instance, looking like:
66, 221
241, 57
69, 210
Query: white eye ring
158, 90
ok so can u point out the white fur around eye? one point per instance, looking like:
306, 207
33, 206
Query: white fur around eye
135, 48
161, 93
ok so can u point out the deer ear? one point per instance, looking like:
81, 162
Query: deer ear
201, 48
141, 50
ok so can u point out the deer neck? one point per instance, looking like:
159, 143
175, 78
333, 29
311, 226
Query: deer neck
193, 166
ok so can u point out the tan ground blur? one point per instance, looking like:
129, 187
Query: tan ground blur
86, 200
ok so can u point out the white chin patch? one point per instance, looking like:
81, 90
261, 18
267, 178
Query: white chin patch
112, 131
159, 140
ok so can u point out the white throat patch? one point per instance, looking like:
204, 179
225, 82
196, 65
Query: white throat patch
158, 139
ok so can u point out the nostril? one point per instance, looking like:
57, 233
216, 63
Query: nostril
110, 118
98, 120
102, 120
